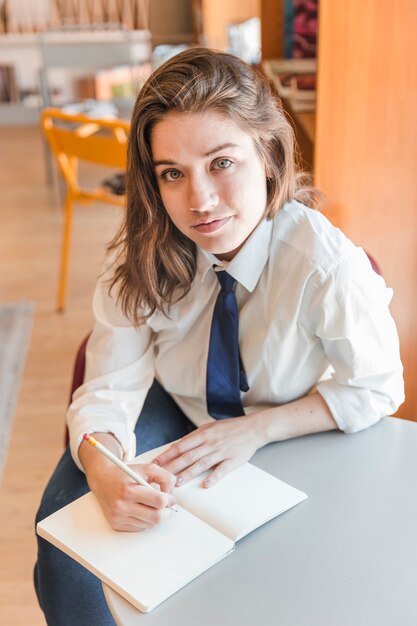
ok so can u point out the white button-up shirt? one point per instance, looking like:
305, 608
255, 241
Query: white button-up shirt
313, 315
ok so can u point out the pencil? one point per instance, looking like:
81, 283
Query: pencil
125, 468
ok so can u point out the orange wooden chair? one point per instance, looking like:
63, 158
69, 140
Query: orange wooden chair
74, 138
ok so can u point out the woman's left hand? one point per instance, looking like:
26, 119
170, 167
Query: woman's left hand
223, 445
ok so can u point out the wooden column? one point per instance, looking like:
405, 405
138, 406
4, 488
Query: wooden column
272, 29
366, 145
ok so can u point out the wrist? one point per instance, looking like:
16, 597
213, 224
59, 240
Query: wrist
304, 416
92, 461
274, 424
262, 428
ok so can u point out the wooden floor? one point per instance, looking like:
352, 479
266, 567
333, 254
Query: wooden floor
30, 231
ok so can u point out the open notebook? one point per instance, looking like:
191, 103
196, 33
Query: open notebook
147, 567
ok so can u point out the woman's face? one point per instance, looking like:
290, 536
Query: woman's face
211, 179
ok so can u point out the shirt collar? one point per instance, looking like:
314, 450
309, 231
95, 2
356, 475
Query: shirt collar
246, 267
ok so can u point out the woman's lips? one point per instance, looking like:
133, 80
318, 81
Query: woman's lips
210, 227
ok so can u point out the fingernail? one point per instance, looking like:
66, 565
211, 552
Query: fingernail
207, 482
156, 462
180, 480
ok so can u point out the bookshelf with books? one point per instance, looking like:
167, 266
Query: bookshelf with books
47, 47
19, 71
289, 60
40, 69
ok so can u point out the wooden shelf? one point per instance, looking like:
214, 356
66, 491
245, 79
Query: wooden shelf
303, 122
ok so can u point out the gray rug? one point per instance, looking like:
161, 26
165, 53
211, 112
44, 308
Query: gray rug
15, 328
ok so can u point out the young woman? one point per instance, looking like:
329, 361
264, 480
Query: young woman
214, 197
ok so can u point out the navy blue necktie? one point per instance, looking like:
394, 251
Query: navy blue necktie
225, 374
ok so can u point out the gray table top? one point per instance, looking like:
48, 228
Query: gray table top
346, 556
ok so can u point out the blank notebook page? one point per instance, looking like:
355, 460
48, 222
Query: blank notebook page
240, 502
144, 567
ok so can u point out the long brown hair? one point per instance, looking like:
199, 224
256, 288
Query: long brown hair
155, 262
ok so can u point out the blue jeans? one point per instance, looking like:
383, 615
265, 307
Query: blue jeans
68, 594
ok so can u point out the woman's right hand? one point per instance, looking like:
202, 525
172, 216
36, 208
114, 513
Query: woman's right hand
126, 505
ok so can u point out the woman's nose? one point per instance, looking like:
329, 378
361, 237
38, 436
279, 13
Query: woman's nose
202, 195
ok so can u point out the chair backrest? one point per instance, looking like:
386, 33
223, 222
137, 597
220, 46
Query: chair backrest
375, 265
78, 137
77, 374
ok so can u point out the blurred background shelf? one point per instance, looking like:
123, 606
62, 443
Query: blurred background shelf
17, 114
51, 66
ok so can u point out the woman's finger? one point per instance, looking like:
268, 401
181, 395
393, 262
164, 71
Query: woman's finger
131, 493
150, 497
138, 515
223, 468
193, 440
201, 465
188, 459
154, 473
149, 515
134, 525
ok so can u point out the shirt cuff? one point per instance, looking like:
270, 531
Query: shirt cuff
353, 408
121, 432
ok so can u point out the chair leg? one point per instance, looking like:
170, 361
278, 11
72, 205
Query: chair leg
63, 275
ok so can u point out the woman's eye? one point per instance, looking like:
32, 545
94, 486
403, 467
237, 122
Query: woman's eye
171, 175
223, 164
